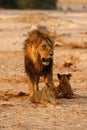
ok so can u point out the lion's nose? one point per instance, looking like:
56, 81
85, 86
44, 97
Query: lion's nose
51, 54
43, 59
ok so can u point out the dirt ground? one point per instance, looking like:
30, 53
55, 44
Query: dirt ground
70, 30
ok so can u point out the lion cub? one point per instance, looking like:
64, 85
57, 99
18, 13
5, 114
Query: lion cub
64, 88
46, 95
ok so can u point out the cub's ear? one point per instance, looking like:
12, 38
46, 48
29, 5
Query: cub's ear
69, 75
47, 84
59, 76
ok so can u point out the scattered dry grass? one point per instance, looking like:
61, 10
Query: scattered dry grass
79, 44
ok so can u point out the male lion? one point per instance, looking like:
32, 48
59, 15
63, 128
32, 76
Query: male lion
48, 94
38, 54
64, 88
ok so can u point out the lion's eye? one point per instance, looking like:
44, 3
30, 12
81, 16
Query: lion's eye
44, 46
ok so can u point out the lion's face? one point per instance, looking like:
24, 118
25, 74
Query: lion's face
45, 51
39, 49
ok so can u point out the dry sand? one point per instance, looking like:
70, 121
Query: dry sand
70, 30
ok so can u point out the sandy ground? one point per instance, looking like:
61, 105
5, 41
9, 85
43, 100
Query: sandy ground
16, 112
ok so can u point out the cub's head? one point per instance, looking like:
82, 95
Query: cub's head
51, 93
51, 90
64, 77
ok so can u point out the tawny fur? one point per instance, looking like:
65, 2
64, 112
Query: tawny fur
64, 88
47, 95
38, 55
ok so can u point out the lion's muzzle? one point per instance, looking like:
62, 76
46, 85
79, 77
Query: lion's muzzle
46, 61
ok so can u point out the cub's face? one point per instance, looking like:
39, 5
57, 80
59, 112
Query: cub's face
51, 90
64, 77
45, 51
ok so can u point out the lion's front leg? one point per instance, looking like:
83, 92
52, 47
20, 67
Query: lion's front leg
31, 86
48, 77
48, 74
36, 82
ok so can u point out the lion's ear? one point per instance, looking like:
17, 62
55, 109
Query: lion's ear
33, 35
59, 76
69, 75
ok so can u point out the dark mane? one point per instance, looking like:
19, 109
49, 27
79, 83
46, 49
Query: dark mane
31, 69
35, 36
